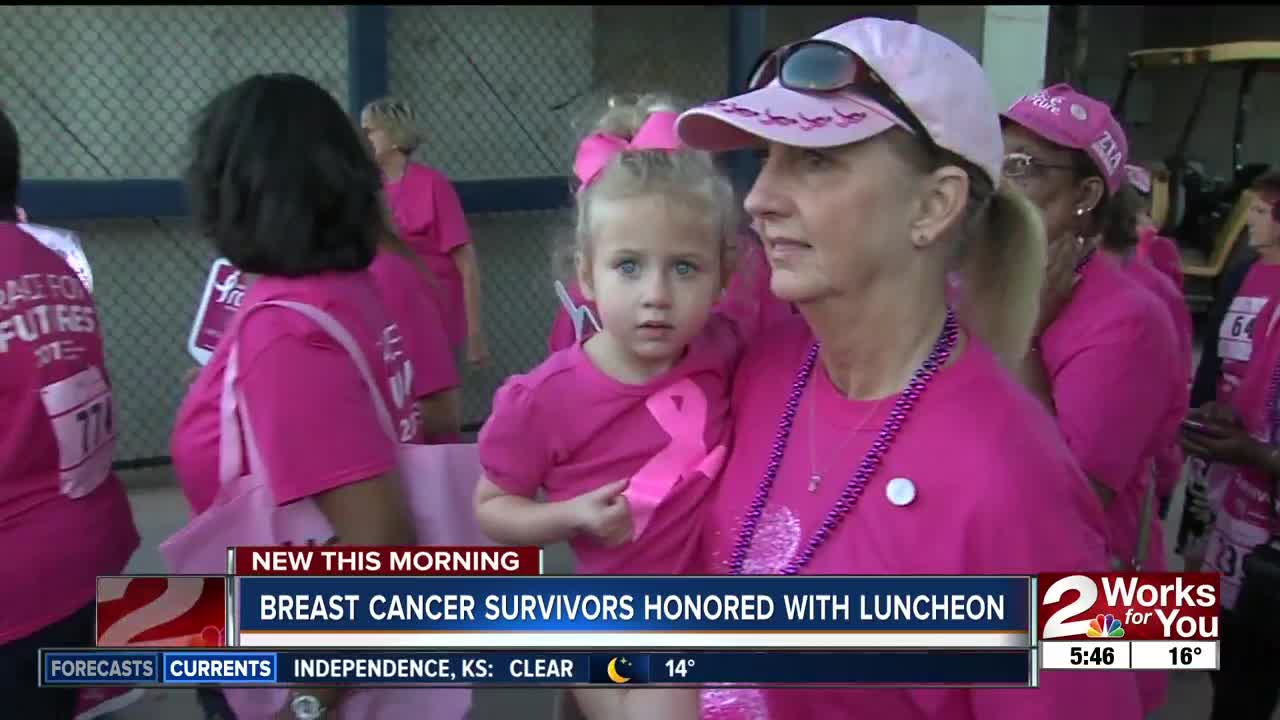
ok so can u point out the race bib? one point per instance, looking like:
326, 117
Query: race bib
80, 411
1229, 543
1235, 335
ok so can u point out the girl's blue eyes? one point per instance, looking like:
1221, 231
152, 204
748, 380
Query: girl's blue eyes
631, 267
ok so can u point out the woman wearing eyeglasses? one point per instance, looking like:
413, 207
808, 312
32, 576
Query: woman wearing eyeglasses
874, 432
1107, 362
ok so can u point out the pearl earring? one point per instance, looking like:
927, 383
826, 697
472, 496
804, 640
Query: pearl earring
1079, 212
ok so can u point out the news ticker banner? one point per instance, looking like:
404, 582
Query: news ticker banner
571, 612
494, 598
262, 668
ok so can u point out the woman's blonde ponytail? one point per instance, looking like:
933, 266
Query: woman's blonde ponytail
1003, 274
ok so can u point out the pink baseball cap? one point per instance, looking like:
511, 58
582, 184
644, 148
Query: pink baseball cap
941, 83
1064, 116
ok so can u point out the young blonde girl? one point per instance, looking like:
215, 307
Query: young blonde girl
625, 431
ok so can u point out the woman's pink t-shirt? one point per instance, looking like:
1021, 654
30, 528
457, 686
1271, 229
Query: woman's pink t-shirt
567, 428
1169, 462
311, 411
64, 516
1235, 334
996, 492
414, 308
1107, 357
428, 214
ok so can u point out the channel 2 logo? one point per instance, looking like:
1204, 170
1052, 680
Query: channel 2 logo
1128, 606
180, 612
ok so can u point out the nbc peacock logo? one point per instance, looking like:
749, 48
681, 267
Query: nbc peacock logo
1105, 626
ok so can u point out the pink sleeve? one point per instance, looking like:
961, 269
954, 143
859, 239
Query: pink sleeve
311, 412
1111, 398
512, 445
451, 223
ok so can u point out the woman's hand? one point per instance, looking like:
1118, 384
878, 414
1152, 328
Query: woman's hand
1225, 442
1060, 279
1214, 411
477, 349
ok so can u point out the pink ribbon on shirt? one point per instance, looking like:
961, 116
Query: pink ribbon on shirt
681, 411
657, 133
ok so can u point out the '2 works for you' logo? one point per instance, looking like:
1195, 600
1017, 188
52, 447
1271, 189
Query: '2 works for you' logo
1129, 606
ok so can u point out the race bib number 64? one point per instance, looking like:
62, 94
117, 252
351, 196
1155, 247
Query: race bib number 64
79, 408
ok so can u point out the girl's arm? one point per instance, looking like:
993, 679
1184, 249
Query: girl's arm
515, 520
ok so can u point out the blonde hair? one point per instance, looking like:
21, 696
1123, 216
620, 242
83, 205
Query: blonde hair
1003, 271
687, 175
398, 120
1000, 251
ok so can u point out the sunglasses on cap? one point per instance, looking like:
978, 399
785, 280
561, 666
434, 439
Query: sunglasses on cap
824, 66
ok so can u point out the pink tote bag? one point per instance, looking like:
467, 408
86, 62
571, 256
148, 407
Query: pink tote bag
438, 483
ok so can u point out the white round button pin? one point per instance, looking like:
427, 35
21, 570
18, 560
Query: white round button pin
900, 491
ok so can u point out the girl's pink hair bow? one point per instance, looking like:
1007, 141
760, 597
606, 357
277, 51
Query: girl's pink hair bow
657, 133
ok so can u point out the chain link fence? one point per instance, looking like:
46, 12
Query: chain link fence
107, 93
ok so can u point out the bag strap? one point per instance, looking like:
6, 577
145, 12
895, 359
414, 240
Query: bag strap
235, 418
1144, 523
577, 315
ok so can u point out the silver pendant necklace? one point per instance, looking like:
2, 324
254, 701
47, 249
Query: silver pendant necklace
815, 477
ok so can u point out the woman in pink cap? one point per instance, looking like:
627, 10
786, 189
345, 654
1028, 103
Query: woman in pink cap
1068, 153
429, 215
64, 516
877, 433
1155, 262
1160, 251
1108, 361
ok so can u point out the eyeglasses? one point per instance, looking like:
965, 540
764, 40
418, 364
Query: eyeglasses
1022, 165
825, 66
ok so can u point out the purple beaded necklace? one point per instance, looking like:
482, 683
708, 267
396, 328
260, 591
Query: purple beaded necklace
893, 424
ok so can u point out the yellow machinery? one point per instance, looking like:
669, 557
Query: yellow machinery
1206, 215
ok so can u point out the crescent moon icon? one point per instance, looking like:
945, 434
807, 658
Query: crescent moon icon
616, 676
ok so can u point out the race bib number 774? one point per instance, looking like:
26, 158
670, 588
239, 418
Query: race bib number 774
80, 409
